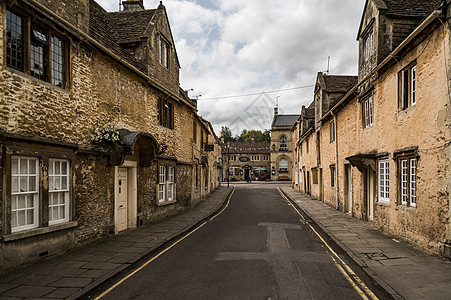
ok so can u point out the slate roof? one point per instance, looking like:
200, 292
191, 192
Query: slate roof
339, 83
248, 147
285, 120
130, 26
411, 8
113, 29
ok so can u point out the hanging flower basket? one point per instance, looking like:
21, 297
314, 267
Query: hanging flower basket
108, 137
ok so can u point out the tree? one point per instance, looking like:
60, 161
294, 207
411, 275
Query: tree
255, 136
226, 133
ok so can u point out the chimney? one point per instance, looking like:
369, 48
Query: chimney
133, 5
276, 110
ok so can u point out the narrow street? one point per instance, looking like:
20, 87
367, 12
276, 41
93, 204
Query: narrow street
259, 247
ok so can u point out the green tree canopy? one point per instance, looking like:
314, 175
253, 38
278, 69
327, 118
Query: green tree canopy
255, 136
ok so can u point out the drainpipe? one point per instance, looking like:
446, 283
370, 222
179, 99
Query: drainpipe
336, 161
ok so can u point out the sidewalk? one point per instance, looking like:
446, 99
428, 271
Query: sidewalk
400, 269
75, 273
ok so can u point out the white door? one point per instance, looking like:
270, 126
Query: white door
122, 200
348, 189
370, 194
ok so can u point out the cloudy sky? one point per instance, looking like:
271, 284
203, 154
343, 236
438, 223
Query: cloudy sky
269, 50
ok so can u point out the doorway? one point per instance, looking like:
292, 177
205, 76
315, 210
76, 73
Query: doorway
369, 190
125, 192
348, 189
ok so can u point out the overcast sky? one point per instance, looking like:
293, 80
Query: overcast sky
241, 47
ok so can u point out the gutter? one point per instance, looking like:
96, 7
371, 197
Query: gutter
86, 37
421, 27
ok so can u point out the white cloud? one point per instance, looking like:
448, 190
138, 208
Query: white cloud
238, 47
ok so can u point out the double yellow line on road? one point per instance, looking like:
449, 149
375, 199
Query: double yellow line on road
344, 269
163, 251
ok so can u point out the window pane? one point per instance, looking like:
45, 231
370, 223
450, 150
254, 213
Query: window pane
64, 167
64, 183
15, 166
57, 62
30, 216
23, 166
32, 166
57, 168
14, 41
32, 183
21, 218
14, 219
15, 184
23, 184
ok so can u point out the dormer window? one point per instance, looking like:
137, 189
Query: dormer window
164, 53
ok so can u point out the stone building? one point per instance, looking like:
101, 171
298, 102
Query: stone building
384, 147
243, 159
69, 71
282, 146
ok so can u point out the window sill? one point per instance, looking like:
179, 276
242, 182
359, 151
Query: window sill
38, 231
383, 203
164, 203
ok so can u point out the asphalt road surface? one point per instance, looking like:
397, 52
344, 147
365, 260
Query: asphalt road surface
259, 247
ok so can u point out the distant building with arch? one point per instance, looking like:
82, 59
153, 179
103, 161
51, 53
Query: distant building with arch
282, 146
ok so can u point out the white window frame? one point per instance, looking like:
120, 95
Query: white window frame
369, 112
16, 192
383, 187
404, 181
413, 182
283, 143
413, 85
161, 183
56, 180
171, 181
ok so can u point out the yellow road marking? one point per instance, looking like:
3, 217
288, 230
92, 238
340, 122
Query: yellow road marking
227, 204
350, 271
162, 252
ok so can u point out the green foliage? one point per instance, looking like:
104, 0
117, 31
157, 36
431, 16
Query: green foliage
226, 133
255, 136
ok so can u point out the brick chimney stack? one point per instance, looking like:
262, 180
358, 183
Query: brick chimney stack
133, 5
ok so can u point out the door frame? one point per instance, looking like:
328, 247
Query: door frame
370, 184
348, 187
132, 197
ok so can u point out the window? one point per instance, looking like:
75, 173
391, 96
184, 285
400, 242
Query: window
283, 165
164, 53
166, 183
333, 176
24, 193
162, 184
306, 145
384, 182
369, 42
165, 113
237, 171
408, 87
332, 131
58, 191
171, 180
407, 181
283, 143
368, 112
46, 51
194, 132
14, 41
